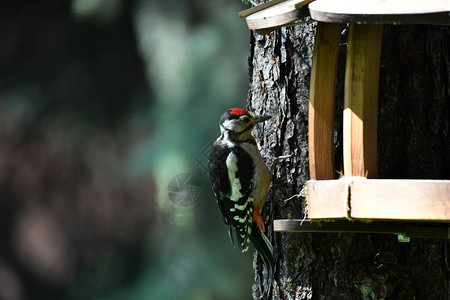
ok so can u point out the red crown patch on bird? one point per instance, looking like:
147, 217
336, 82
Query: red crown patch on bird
238, 111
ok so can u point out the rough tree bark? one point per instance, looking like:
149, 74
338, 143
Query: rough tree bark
413, 142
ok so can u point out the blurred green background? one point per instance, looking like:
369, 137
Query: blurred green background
107, 112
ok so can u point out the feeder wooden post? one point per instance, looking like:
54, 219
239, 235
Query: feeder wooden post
361, 100
321, 101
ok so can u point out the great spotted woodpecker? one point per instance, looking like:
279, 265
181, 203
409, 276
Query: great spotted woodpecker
240, 180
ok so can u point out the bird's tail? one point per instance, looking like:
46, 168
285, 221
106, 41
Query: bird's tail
263, 246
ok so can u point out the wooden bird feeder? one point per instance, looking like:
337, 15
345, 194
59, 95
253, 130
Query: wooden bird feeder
416, 208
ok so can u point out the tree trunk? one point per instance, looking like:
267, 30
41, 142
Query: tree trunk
413, 142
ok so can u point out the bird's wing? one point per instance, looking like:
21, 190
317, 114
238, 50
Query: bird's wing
233, 196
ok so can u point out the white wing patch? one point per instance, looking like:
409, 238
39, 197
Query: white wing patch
236, 194
235, 182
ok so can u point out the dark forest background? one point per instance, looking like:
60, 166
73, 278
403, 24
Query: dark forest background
107, 109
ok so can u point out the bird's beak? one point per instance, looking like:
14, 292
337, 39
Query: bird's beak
259, 119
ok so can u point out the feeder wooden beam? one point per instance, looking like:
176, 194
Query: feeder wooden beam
401, 199
328, 199
382, 199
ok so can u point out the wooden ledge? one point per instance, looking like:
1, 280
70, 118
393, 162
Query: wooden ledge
381, 11
416, 230
276, 14
245, 13
383, 199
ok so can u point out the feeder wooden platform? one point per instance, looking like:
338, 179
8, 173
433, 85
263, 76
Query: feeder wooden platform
379, 199
394, 204
409, 229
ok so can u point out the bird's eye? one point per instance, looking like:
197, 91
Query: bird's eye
245, 119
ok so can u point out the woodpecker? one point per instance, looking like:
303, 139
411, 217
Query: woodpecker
241, 180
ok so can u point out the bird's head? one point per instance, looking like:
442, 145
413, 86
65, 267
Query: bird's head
239, 122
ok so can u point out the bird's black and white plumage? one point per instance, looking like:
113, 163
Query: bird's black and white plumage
241, 180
